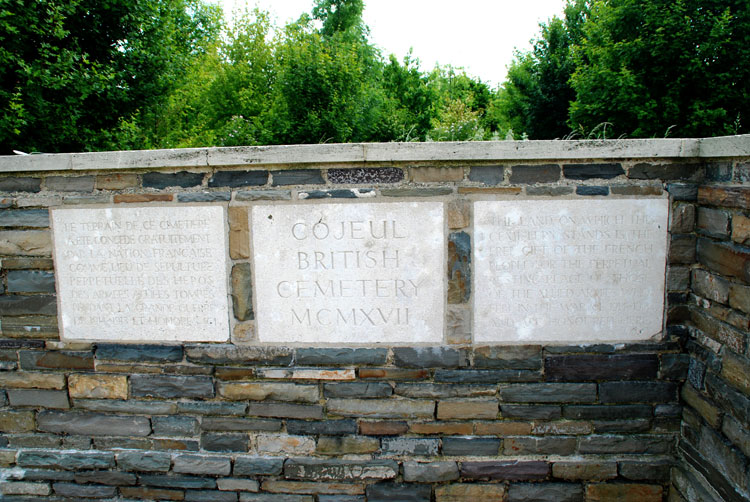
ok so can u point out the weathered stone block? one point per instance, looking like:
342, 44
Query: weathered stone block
592, 190
242, 292
284, 444
111, 478
239, 424
213, 408
549, 191
545, 492
678, 278
353, 193
384, 428
209, 496
57, 399
667, 171
741, 229
98, 386
724, 259
530, 412
339, 470
282, 410
682, 249
204, 196
515, 470
674, 366
608, 412
31, 380
410, 446
182, 179
116, 181
28, 305
202, 464
251, 195
129, 406
174, 426
713, 222
24, 488
340, 356
430, 472
683, 191
585, 470
549, 393
394, 373
327, 427
274, 497
436, 174
34, 360
735, 369
539, 446
441, 428
257, 466
346, 445
144, 461
682, 219
514, 357
636, 191
429, 357
16, 421
651, 444
416, 192
488, 175
601, 367
148, 493
724, 196
169, 386
376, 175
26, 242
464, 492
402, 408
69, 461
93, 424
529, 174
623, 493
459, 267
237, 485
239, 233
20, 184
227, 354
31, 281
467, 409
637, 392
170, 481
83, 491
471, 446
224, 442
654, 470
259, 391
441, 391
297, 177
708, 410
137, 198
238, 178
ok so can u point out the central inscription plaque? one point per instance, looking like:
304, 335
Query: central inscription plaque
569, 271
141, 273
349, 273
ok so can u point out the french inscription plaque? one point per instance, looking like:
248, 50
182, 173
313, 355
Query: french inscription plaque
569, 271
141, 273
349, 273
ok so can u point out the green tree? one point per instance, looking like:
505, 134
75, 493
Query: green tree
73, 72
657, 67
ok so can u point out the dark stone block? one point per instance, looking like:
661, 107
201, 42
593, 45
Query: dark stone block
238, 178
111, 478
204, 197
142, 461
648, 443
488, 175
429, 357
83, 491
20, 184
637, 392
34, 360
520, 357
552, 445
22, 344
325, 428
283, 410
483, 376
257, 466
471, 446
48, 475
28, 305
714, 476
210, 496
718, 171
549, 393
174, 426
683, 191
224, 442
239, 424
201, 408
736, 402
247, 355
297, 177
367, 175
725, 259
244, 195
354, 193
592, 190
149, 407
682, 249
403, 492
608, 412
171, 386
459, 267
181, 179
170, 481
591, 171
33, 218
530, 412
69, 461
39, 398
130, 352
545, 492
342, 356
713, 222
506, 470
93, 424
674, 366
543, 173
679, 171
654, 470
601, 367
358, 389
31, 281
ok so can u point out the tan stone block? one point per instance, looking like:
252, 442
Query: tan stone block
458, 214
32, 380
244, 333
736, 370
707, 410
502, 428
26, 242
116, 181
394, 373
584, 470
457, 428
239, 233
240, 373
308, 374
388, 428
470, 492
629, 492
259, 391
147, 493
335, 445
282, 443
566, 427
741, 229
494, 191
7, 458
458, 325
274, 486
436, 174
98, 386
143, 197
16, 421
466, 409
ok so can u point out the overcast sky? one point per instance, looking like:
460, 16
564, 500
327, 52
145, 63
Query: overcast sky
479, 35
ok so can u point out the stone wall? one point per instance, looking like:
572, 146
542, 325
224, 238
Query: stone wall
244, 421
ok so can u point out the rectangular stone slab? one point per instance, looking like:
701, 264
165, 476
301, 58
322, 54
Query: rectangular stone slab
569, 271
349, 273
154, 274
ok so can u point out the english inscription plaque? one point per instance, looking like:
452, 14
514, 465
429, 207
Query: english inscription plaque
141, 273
349, 273
569, 271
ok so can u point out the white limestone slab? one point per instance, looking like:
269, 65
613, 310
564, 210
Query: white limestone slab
155, 274
349, 273
569, 271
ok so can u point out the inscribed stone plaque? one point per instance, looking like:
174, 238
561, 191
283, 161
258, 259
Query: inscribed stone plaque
142, 273
569, 271
349, 273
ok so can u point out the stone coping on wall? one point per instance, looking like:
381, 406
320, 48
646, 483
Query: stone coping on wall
381, 153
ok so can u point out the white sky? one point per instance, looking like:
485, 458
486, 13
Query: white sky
478, 35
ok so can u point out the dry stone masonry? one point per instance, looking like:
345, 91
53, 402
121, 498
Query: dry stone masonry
508, 321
